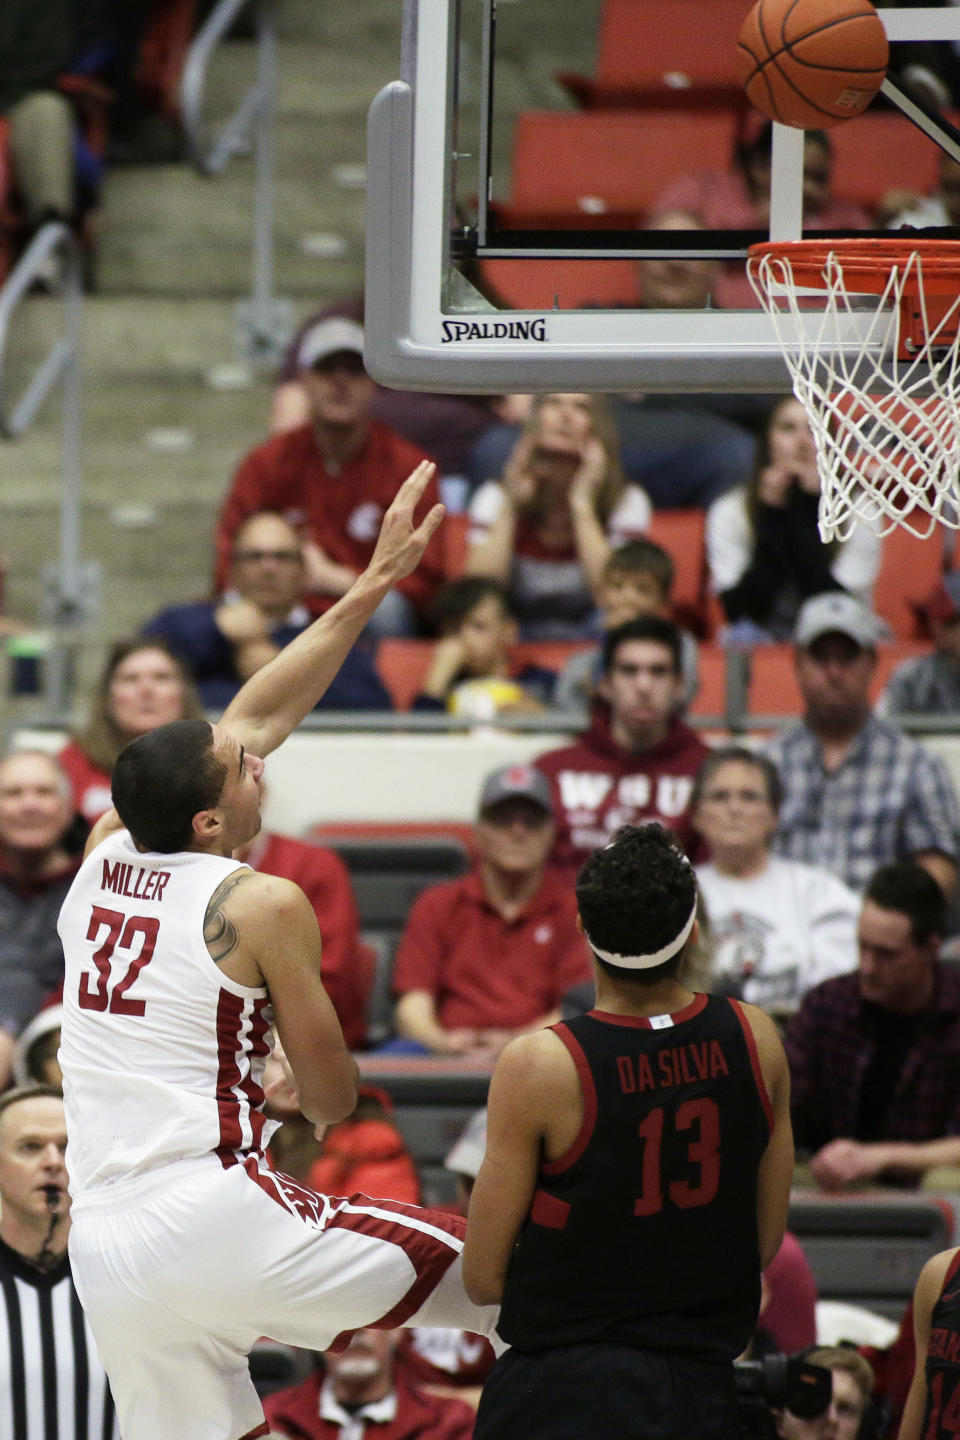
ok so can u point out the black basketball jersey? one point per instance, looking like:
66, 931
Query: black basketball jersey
942, 1365
645, 1232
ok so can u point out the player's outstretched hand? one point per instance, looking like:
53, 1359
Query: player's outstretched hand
400, 546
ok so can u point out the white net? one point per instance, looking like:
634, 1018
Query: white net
885, 412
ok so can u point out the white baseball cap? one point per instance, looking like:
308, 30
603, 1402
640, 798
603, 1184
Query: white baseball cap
837, 613
329, 337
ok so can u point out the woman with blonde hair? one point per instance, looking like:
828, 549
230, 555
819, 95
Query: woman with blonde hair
142, 685
546, 529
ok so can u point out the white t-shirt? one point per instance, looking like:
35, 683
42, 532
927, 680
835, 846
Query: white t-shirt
551, 593
729, 541
776, 935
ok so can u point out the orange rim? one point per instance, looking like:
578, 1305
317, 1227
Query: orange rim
867, 263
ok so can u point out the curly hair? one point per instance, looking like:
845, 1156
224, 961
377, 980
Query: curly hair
636, 895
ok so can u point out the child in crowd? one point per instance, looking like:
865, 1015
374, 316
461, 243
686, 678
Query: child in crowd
637, 580
472, 672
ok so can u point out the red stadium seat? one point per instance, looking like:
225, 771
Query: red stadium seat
879, 151
681, 533
711, 697
663, 52
606, 168
568, 284
909, 570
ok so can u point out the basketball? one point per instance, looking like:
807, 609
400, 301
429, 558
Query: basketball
812, 63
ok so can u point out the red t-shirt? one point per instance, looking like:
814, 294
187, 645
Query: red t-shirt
340, 512
295, 1412
91, 786
485, 972
346, 965
598, 786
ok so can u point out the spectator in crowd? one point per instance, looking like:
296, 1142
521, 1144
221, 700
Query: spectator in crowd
334, 478
875, 1055
788, 1303
905, 207
36, 871
365, 1392
638, 759
778, 927
856, 793
684, 449
850, 1397
488, 956
472, 671
142, 685
445, 426
681, 449
35, 1059
348, 964
930, 684
224, 642
51, 1380
764, 551
739, 199
364, 1153
547, 528
455, 1362
637, 580
37, 45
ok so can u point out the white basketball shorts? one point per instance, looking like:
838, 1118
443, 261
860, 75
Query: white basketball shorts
181, 1272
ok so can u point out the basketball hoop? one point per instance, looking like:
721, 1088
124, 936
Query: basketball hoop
870, 331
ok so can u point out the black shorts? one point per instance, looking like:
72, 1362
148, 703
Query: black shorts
607, 1392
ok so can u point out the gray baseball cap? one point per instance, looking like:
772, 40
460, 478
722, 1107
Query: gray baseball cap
837, 613
516, 782
330, 337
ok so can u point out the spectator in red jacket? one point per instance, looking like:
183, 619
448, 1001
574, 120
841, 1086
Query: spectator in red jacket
638, 760
366, 1393
488, 956
334, 479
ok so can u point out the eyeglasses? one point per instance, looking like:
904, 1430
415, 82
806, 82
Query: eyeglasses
746, 797
282, 557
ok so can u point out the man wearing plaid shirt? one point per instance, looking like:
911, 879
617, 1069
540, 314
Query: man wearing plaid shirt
857, 793
875, 1055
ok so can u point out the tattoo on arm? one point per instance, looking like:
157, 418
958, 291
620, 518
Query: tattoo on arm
219, 931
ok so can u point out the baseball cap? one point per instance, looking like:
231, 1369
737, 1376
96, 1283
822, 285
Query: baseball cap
836, 613
514, 782
328, 337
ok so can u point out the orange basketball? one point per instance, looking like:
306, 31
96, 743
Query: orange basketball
812, 63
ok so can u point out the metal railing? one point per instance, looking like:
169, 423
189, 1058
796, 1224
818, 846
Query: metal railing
264, 323
68, 583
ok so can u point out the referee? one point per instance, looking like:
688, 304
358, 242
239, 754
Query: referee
51, 1381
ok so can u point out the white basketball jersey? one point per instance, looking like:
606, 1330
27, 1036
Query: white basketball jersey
162, 1054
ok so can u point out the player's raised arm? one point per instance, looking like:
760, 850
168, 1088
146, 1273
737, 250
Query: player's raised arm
273, 701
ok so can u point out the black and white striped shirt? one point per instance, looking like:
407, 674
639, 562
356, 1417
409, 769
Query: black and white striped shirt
52, 1385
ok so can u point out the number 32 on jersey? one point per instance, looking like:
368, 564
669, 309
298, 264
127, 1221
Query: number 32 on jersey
134, 938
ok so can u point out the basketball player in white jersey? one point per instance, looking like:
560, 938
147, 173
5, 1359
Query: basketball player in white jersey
179, 961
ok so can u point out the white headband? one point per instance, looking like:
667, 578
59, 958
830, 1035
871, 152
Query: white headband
647, 962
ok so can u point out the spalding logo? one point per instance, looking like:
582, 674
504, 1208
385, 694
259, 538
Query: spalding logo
459, 330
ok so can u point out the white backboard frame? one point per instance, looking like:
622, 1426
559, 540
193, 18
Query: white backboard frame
427, 328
